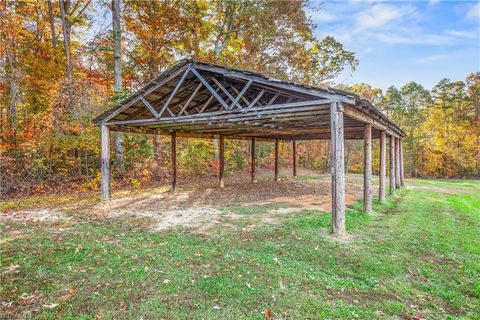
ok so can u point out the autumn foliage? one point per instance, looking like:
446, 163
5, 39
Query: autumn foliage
57, 73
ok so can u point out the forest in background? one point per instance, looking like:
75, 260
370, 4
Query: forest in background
63, 62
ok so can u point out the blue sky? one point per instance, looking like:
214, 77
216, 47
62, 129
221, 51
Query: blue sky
399, 41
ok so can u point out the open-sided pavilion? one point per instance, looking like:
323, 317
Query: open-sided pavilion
200, 100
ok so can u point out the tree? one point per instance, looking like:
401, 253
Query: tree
366, 91
70, 14
117, 73
11, 69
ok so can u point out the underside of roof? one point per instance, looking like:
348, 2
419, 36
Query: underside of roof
196, 99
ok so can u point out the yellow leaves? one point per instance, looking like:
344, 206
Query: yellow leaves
92, 184
135, 183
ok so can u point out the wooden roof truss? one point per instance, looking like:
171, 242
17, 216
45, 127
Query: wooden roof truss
201, 100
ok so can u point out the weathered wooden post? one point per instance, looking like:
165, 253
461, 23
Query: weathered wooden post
105, 164
367, 169
402, 175
294, 158
222, 161
174, 161
392, 164
383, 166
338, 169
276, 159
252, 170
397, 163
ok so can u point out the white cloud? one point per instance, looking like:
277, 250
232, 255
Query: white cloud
433, 2
431, 58
474, 12
380, 15
463, 34
438, 57
393, 23
415, 38
322, 16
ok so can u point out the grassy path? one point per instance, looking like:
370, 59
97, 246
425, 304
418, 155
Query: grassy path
418, 257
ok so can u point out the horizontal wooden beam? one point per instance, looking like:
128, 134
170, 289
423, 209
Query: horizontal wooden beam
288, 107
356, 114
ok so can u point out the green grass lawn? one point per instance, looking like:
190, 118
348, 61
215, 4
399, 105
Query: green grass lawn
417, 257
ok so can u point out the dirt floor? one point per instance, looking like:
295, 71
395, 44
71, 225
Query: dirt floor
201, 204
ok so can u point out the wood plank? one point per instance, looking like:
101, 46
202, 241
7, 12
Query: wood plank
392, 164
338, 170
367, 169
138, 95
383, 167
185, 106
174, 92
257, 98
244, 99
105, 164
229, 114
149, 107
277, 84
209, 87
354, 113
240, 95
222, 162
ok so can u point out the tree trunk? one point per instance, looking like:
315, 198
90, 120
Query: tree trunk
67, 28
52, 23
12, 78
117, 76
347, 160
157, 155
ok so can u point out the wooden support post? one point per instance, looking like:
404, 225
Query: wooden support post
222, 162
338, 169
105, 164
276, 159
383, 166
252, 170
402, 175
397, 163
367, 169
294, 158
174, 161
392, 164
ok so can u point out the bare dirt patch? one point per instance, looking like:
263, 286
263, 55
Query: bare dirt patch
44, 215
200, 204
310, 202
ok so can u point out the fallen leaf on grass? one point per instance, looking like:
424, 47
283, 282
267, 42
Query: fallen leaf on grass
50, 306
268, 313
13, 267
99, 314
70, 292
